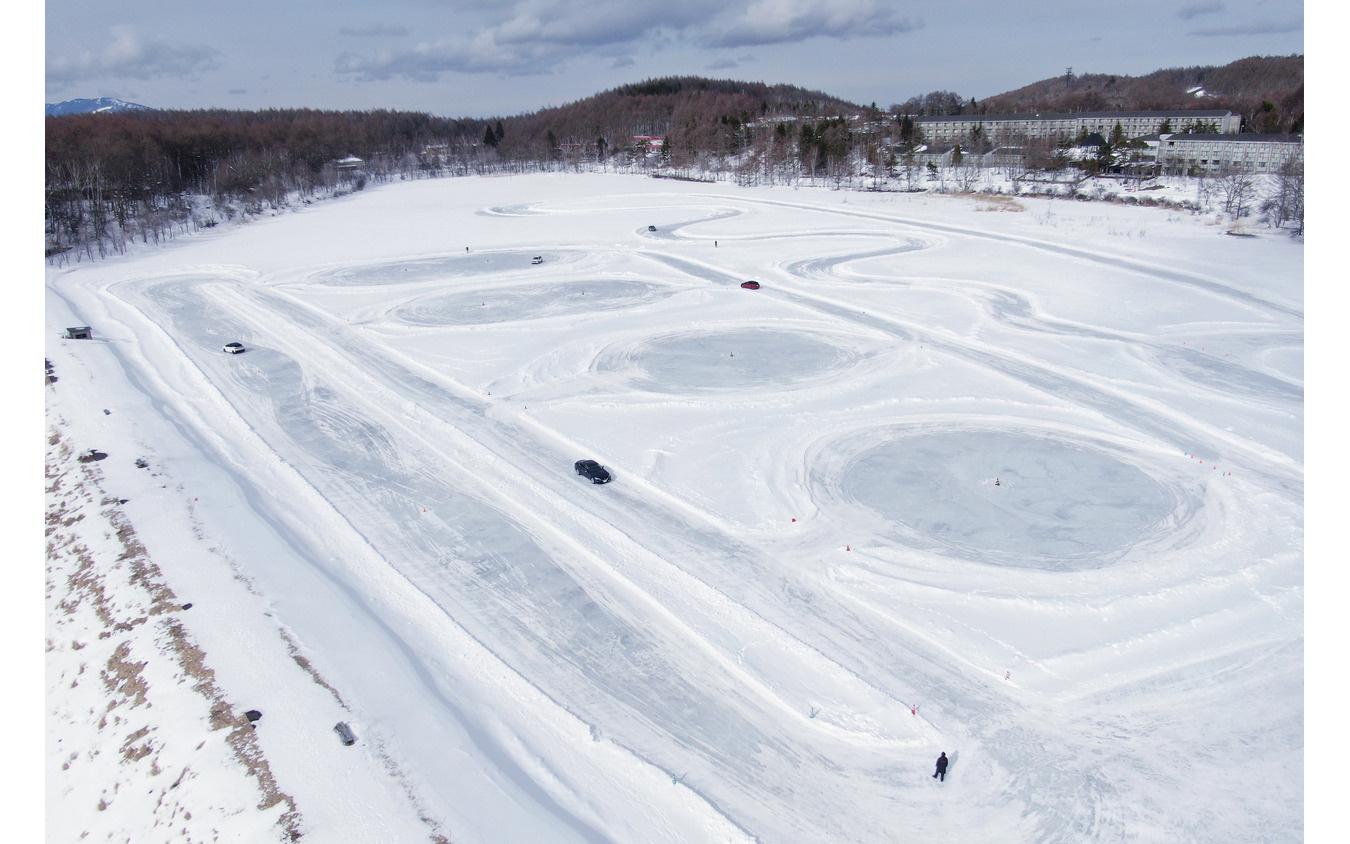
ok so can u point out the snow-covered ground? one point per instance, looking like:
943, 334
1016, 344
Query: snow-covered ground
1017, 480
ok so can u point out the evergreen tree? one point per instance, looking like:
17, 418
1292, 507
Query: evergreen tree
1267, 119
979, 141
906, 129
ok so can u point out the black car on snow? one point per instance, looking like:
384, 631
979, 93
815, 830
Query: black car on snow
589, 468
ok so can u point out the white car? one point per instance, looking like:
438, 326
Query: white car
233, 348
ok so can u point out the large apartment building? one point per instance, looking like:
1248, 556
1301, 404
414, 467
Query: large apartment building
1209, 154
1011, 128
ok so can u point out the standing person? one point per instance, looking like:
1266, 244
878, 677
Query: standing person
941, 773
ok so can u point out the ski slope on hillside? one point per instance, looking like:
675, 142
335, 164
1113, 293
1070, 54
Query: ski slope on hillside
1025, 487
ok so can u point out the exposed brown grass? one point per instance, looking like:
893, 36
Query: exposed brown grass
997, 202
131, 751
84, 583
242, 738
123, 675
304, 663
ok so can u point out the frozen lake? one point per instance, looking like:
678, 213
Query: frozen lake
1021, 486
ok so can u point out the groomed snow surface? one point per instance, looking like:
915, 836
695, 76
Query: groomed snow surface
1021, 481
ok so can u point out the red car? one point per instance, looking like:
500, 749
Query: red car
750, 285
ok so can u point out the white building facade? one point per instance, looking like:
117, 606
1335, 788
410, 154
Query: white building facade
1211, 154
1004, 128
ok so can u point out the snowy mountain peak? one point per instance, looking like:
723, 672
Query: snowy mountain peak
87, 106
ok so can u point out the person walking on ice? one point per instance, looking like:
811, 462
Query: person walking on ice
941, 773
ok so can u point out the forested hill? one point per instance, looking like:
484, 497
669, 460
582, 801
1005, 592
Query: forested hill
705, 115
1266, 90
697, 109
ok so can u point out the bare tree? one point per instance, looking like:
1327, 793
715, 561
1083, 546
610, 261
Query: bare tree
1285, 205
942, 103
968, 172
909, 170
1204, 190
1236, 187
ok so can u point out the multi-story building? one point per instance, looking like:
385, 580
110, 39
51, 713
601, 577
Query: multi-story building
1005, 128
1209, 154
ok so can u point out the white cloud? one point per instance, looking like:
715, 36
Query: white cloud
427, 61
1191, 10
536, 36
779, 21
131, 56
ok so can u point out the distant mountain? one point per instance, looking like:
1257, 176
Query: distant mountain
102, 104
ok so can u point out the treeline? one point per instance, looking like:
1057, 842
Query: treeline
114, 178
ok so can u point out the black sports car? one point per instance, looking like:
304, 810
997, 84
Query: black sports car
597, 473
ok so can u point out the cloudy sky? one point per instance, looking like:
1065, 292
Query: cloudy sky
480, 58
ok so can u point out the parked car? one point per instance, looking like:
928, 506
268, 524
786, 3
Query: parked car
233, 348
538, 259
750, 285
651, 228
590, 469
